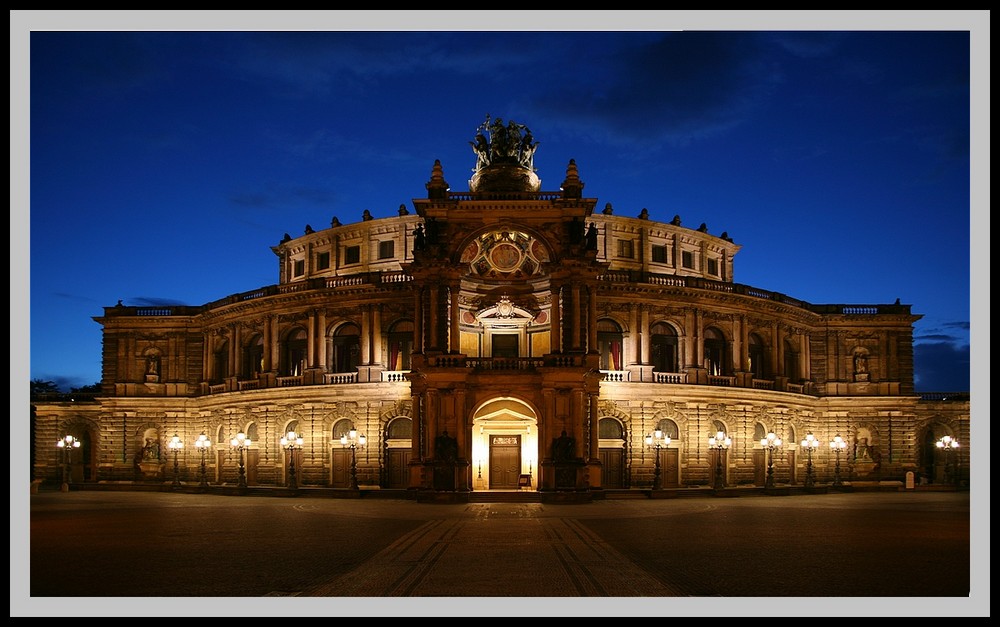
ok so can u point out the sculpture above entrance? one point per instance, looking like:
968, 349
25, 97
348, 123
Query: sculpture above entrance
504, 158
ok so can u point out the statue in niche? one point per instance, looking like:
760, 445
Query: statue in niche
860, 363
151, 450
419, 239
863, 452
592, 237
563, 447
153, 365
446, 448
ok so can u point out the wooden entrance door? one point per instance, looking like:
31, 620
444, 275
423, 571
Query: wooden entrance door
505, 461
340, 468
398, 468
669, 475
759, 468
612, 463
252, 460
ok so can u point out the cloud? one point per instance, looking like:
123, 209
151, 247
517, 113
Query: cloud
941, 367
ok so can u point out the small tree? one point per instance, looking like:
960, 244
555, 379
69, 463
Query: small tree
39, 386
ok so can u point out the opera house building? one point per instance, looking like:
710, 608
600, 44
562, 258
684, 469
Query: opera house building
505, 338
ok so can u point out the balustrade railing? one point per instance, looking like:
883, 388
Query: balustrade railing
340, 377
670, 377
504, 363
615, 376
721, 381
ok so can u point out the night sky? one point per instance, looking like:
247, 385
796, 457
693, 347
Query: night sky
164, 165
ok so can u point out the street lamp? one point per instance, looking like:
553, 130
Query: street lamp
291, 441
241, 443
719, 443
770, 443
810, 444
352, 440
948, 444
837, 445
67, 444
203, 444
656, 441
175, 444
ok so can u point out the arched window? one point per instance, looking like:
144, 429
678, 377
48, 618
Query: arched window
399, 429
663, 346
610, 429
294, 356
253, 357
609, 343
715, 353
342, 427
400, 345
759, 432
758, 357
346, 348
668, 427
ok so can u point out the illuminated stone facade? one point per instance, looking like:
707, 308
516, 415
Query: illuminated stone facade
505, 338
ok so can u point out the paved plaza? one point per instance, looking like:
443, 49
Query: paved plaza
120, 553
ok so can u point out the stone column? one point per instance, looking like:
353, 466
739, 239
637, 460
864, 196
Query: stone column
432, 318
418, 320
311, 339
366, 329
555, 323
321, 339
455, 344
377, 334
575, 316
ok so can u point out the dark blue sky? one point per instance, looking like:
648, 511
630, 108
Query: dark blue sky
164, 165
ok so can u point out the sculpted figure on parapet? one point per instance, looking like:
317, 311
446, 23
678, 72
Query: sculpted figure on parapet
496, 142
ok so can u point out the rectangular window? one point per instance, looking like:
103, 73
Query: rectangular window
387, 249
659, 254
352, 254
687, 259
298, 267
713, 267
625, 248
322, 261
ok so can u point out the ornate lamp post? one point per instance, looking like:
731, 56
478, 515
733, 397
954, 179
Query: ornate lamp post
948, 444
67, 444
175, 444
241, 443
810, 444
353, 441
770, 443
291, 441
719, 443
203, 444
656, 441
837, 445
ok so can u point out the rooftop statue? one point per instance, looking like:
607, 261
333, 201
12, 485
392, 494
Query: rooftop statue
505, 155
499, 144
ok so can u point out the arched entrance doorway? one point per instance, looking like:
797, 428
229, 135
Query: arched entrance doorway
505, 445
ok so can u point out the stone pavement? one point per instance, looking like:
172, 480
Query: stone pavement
288, 556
